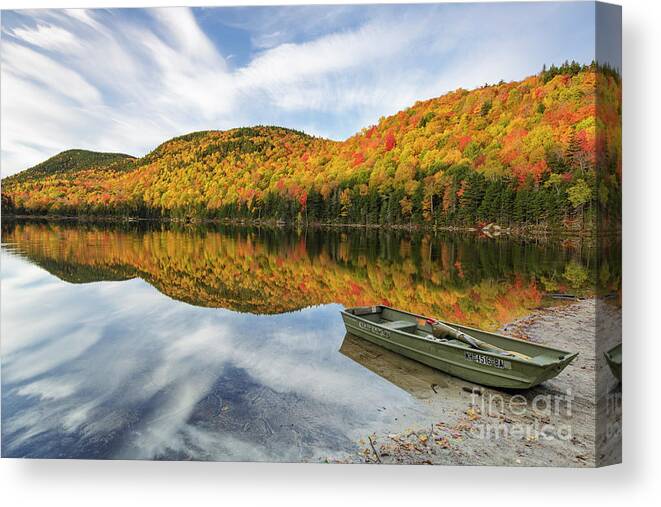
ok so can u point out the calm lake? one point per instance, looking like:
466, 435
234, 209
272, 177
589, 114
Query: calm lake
157, 341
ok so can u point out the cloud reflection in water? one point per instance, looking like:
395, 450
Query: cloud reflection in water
118, 370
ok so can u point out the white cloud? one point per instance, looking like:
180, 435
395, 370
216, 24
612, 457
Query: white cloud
48, 37
82, 15
339, 52
50, 389
23, 63
187, 36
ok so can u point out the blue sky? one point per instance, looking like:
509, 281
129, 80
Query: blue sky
128, 79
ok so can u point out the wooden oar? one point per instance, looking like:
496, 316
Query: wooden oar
440, 330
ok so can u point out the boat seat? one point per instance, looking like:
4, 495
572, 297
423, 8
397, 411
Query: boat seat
401, 325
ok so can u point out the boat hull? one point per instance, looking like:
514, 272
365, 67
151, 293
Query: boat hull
469, 364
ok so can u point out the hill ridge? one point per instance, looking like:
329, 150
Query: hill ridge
522, 152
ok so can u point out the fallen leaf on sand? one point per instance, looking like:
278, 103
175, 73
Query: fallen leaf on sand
443, 442
472, 414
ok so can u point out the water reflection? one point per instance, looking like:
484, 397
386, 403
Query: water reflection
118, 370
97, 363
478, 281
415, 378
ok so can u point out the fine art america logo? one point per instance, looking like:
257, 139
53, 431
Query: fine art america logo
543, 417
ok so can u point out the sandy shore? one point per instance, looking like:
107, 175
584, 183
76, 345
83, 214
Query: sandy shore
550, 425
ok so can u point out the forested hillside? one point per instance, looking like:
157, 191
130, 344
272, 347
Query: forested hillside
541, 151
72, 161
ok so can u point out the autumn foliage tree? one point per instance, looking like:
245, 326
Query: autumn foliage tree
541, 151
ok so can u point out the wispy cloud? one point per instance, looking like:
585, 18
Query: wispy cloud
135, 374
125, 80
22, 63
48, 37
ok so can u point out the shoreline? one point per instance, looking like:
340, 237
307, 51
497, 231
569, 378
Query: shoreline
476, 425
492, 232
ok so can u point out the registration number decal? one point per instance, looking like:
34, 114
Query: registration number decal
494, 362
379, 331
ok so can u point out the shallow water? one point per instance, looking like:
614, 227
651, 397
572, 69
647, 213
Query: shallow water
158, 342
